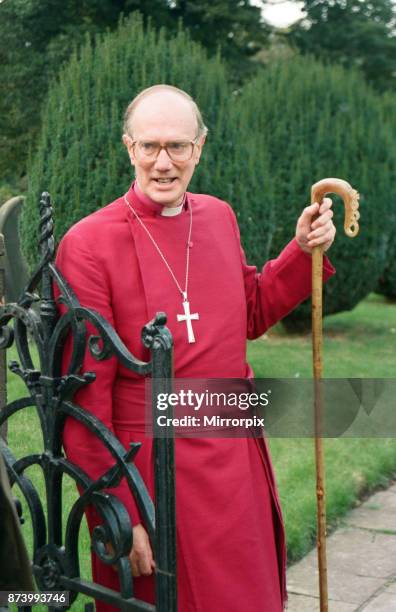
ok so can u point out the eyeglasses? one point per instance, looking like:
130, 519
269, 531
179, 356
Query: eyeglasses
178, 151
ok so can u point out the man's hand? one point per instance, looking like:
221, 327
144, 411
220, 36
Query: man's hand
319, 232
141, 555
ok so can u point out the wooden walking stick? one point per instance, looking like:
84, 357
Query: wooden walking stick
351, 227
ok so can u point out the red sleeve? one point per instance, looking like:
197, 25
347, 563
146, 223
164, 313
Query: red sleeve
282, 284
87, 279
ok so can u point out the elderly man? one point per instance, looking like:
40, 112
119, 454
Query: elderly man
159, 247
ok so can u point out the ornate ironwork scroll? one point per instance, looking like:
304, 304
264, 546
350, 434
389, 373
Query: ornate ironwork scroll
56, 558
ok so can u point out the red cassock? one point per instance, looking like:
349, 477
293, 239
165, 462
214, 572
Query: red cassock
230, 537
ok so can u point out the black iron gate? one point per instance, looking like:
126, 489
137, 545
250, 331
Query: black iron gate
55, 554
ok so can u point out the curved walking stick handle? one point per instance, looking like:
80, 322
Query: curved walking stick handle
349, 195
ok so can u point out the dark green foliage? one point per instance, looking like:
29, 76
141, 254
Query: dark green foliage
387, 281
236, 26
316, 122
354, 33
80, 157
296, 123
36, 37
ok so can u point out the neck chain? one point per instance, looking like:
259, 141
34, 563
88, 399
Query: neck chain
187, 316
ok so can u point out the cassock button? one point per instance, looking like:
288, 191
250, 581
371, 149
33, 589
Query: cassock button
190, 244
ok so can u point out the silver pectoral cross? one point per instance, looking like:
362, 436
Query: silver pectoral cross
188, 317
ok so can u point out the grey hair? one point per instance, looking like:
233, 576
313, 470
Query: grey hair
128, 116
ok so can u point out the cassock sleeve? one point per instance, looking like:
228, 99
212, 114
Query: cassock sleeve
282, 284
87, 278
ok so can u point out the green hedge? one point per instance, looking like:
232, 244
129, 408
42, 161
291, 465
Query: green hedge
80, 158
320, 121
387, 281
297, 122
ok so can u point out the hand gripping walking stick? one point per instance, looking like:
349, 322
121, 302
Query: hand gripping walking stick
351, 201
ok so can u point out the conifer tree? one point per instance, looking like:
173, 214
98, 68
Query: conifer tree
297, 122
81, 160
387, 281
319, 121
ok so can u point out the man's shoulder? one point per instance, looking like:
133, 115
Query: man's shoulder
101, 222
210, 203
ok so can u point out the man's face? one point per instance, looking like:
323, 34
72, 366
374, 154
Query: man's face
164, 118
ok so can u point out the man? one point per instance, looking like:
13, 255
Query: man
162, 248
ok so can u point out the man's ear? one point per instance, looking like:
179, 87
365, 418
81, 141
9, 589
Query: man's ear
200, 145
127, 140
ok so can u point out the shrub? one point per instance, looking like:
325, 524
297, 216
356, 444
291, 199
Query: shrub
296, 122
387, 281
81, 160
317, 121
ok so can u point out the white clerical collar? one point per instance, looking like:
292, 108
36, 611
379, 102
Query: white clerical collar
172, 212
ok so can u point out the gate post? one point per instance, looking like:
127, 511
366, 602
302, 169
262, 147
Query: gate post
161, 346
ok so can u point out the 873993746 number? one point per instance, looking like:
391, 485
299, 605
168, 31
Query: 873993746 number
31, 598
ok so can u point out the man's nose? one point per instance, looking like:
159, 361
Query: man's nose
163, 161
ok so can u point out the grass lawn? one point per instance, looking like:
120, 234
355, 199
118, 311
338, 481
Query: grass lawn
357, 344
